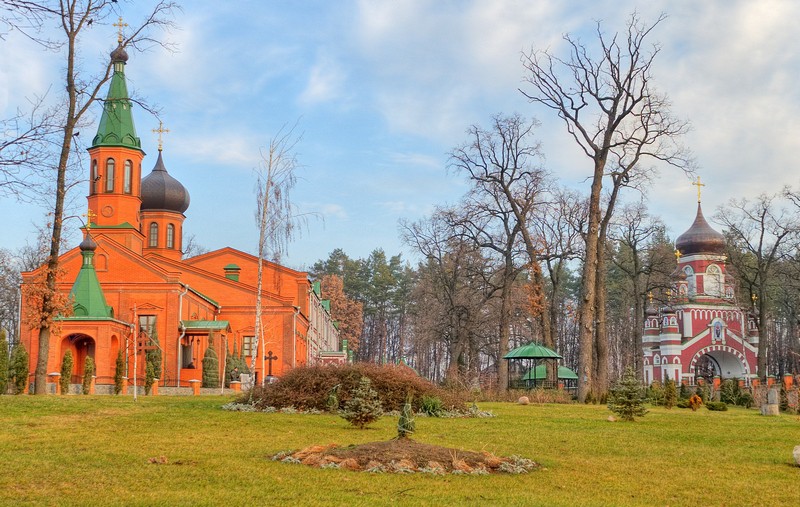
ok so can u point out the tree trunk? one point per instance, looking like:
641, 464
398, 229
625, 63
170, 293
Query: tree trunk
601, 331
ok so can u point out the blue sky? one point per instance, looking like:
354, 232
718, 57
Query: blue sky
383, 90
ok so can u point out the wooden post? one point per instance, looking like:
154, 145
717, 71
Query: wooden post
124, 385
236, 386
154, 388
195, 387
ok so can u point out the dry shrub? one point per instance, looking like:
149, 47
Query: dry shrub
308, 387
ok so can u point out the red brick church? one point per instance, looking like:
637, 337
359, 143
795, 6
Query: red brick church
129, 284
702, 332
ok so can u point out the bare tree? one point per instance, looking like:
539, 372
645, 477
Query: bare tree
610, 109
760, 233
275, 215
80, 91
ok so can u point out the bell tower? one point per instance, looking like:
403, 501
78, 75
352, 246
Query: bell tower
116, 162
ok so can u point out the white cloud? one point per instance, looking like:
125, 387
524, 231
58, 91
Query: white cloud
324, 84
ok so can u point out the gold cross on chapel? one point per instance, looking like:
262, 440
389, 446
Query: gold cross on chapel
698, 185
120, 25
160, 130
89, 216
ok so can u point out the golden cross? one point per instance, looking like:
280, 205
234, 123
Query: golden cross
89, 216
160, 130
698, 185
753, 297
120, 25
678, 255
650, 297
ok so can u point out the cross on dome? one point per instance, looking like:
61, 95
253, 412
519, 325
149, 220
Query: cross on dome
160, 130
120, 25
698, 184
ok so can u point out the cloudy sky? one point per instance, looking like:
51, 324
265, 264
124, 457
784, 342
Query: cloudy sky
383, 90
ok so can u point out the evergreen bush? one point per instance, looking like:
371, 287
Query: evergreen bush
332, 403
670, 393
4, 374
66, 372
88, 373
119, 372
149, 377
627, 397
655, 393
210, 367
18, 369
685, 392
406, 424
718, 406
153, 356
432, 406
363, 407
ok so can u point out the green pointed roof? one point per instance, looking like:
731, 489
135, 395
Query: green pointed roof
116, 124
87, 296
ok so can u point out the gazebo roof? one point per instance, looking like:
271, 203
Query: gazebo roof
532, 351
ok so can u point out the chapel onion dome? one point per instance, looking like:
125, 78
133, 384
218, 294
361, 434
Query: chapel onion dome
160, 191
700, 238
119, 55
88, 244
651, 310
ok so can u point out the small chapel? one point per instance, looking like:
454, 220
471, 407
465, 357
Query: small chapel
702, 333
131, 290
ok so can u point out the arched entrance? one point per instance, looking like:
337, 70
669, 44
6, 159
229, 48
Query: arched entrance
719, 360
82, 346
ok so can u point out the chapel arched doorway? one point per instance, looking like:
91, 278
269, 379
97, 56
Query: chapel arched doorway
82, 346
723, 362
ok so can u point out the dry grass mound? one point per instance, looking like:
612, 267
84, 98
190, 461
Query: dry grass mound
310, 387
404, 455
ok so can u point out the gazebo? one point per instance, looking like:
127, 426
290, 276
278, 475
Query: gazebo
566, 377
532, 353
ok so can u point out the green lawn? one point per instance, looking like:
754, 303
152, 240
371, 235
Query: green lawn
81, 450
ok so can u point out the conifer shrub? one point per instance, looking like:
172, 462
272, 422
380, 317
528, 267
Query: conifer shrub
685, 392
627, 397
363, 407
655, 393
149, 377
4, 376
66, 372
119, 372
432, 406
309, 387
210, 368
670, 393
718, 406
332, 403
88, 373
18, 369
406, 426
153, 356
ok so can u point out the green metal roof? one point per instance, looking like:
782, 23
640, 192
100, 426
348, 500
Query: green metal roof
231, 266
317, 287
532, 351
88, 300
326, 303
205, 325
540, 373
116, 123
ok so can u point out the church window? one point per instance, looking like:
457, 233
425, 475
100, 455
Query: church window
689, 272
127, 176
110, 175
247, 346
95, 177
153, 243
713, 281
170, 236
147, 325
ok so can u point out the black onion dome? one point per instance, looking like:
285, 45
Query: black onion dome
160, 191
88, 244
119, 55
700, 238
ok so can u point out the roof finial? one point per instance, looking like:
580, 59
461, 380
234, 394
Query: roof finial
698, 185
160, 130
89, 216
120, 25
678, 255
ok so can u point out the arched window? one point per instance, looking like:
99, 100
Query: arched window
110, 175
95, 177
127, 176
170, 236
689, 272
712, 281
153, 235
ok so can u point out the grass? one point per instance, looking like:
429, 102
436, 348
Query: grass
86, 450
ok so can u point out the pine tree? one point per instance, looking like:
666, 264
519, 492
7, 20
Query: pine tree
66, 372
627, 397
670, 393
406, 425
153, 356
149, 377
363, 407
4, 374
210, 366
88, 373
18, 370
119, 372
